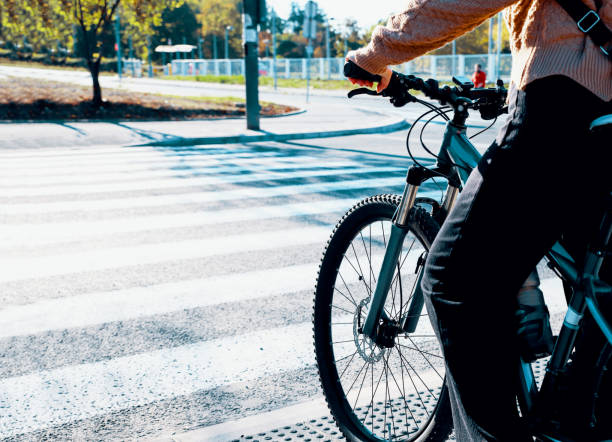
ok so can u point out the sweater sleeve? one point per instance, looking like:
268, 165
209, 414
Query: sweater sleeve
424, 26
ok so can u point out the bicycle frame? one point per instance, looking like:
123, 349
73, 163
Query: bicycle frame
464, 157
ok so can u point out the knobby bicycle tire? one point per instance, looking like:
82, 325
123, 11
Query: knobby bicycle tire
438, 424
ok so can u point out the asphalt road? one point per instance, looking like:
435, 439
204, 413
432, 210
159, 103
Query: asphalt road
148, 292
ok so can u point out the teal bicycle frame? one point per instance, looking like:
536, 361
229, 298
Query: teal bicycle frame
457, 158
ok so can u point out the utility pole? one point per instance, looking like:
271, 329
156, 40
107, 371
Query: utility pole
215, 46
118, 43
274, 47
149, 56
310, 32
253, 15
499, 43
327, 51
200, 48
227, 30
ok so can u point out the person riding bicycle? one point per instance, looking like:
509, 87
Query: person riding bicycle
544, 178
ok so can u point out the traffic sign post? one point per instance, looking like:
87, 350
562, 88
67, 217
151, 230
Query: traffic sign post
118, 44
310, 32
254, 13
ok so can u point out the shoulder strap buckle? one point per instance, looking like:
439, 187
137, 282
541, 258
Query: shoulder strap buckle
592, 15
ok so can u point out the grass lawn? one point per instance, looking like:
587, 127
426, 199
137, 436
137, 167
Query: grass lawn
23, 99
266, 81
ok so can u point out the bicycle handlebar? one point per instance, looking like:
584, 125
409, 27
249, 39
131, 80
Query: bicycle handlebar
351, 70
489, 101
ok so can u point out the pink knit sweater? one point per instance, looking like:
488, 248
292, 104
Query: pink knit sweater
544, 39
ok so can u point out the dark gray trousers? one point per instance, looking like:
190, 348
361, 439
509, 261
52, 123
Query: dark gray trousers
543, 179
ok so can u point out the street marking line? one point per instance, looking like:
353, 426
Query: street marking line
190, 171
121, 305
177, 165
203, 197
48, 233
49, 398
15, 269
141, 158
89, 151
189, 181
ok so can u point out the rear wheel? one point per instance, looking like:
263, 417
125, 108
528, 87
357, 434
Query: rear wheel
378, 393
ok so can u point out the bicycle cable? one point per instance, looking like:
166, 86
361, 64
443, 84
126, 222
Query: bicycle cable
485, 129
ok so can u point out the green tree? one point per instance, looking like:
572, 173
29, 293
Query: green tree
215, 16
53, 19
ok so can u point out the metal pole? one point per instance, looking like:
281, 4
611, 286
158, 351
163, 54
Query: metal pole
149, 56
199, 48
226, 43
118, 43
499, 43
308, 50
251, 62
274, 47
327, 51
184, 53
215, 46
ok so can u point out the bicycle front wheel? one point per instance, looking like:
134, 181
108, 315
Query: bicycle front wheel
378, 393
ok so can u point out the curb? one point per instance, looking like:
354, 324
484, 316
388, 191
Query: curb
183, 142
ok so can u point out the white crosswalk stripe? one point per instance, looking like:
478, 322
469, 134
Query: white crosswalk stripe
172, 183
58, 396
112, 346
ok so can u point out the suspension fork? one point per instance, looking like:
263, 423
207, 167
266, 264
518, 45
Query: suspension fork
415, 308
399, 229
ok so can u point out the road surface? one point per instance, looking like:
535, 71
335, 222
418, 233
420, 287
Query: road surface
167, 292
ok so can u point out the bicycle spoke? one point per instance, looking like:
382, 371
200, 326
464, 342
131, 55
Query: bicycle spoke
411, 380
396, 384
347, 365
406, 407
356, 377
361, 387
361, 278
347, 288
351, 300
368, 256
343, 342
340, 308
420, 351
425, 357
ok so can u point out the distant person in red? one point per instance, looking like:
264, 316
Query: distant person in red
479, 78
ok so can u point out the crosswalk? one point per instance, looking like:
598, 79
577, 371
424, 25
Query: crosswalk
148, 291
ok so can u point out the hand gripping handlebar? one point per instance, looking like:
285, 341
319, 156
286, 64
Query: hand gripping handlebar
489, 101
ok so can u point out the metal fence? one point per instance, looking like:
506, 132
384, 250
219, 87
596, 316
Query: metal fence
442, 67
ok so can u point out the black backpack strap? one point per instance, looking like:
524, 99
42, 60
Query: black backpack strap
590, 23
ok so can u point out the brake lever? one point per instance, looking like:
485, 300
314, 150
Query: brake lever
363, 91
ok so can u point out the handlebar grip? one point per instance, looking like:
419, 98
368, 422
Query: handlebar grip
351, 70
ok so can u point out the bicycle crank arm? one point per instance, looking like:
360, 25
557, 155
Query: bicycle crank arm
394, 247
